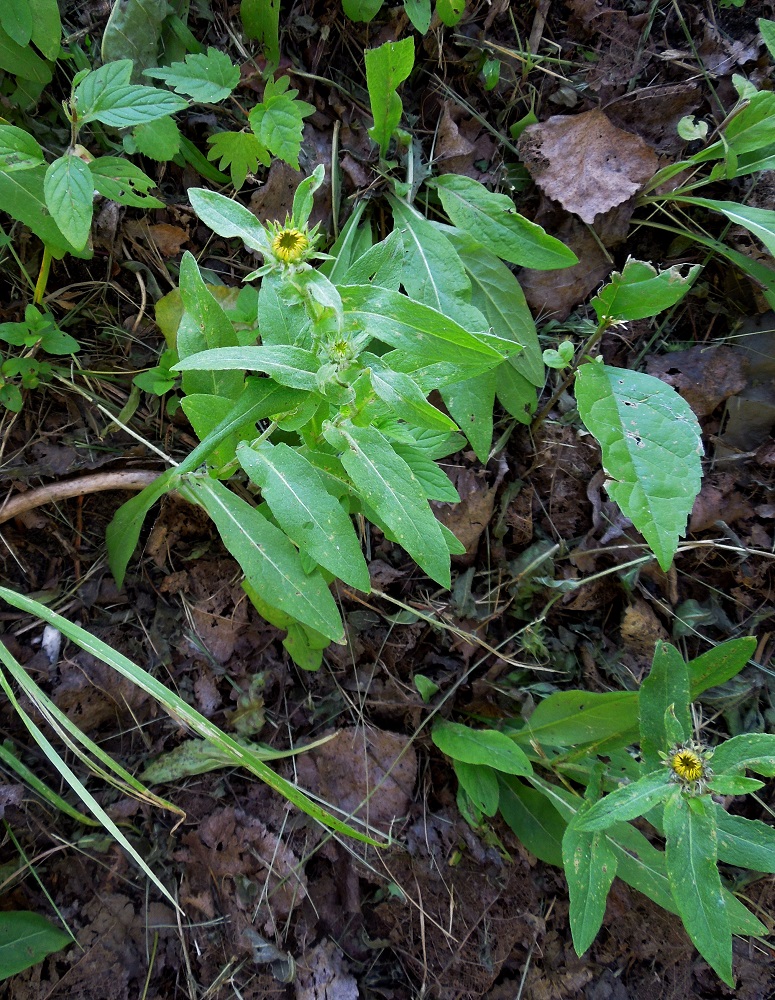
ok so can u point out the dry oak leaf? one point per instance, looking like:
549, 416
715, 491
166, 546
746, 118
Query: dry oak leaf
586, 163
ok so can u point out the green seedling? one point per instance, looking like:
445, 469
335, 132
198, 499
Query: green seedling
24, 370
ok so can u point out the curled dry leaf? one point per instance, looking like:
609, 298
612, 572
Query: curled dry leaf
585, 162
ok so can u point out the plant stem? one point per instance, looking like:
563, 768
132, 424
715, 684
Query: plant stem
45, 268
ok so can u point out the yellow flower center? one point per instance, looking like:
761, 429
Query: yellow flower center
289, 245
688, 765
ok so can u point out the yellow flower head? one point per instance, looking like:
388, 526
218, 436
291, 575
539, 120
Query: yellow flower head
289, 245
688, 763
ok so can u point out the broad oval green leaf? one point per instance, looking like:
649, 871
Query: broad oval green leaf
313, 519
25, 939
641, 291
651, 443
493, 221
480, 783
419, 13
18, 149
569, 718
46, 27
69, 191
228, 218
361, 10
481, 746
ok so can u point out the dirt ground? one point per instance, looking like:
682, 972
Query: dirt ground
273, 905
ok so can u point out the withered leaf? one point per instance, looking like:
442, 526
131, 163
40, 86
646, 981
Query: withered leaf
586, 163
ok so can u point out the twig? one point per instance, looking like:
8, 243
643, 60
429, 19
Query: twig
136, 479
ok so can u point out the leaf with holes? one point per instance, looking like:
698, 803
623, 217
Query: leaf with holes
124, 182
651, 450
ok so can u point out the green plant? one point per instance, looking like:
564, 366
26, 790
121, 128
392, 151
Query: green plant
744, 145
38, 332
350, 430
30, 31
581, 819
56, 199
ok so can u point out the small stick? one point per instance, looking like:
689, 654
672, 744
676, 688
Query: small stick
136, 479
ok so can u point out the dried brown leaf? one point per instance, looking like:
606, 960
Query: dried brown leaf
585, 162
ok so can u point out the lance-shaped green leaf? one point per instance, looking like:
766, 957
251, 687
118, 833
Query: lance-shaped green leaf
480, 783
204, 324
734, 784
751, 751
498, 295
651, 445
228, 218
207, 77
493, 221
433, 480
691, 852
261, 398
269, 561
667, 684
751, 128
405, 397
386, 68
431, 271
398, 321
759, 221
471, 403
306, 511
719, 664
590, 867
628, 802
291, 366
747, 843
481, 746
390, 488
241, 756
533, 819
69, 191
641, 291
